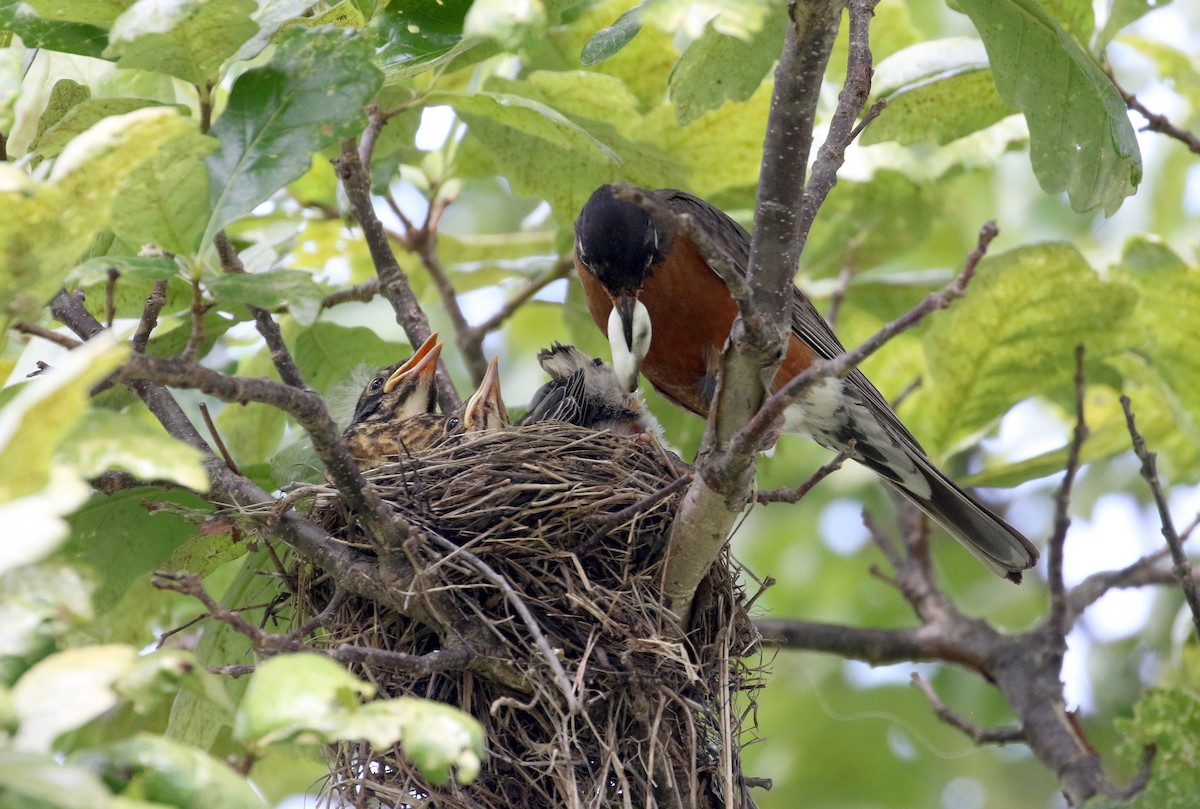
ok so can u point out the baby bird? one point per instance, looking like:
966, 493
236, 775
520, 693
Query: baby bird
485, 410
394, 395
586, 392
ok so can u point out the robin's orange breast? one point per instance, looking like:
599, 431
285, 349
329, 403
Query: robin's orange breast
691, 314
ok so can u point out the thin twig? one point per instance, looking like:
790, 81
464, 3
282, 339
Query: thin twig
793, 494
843, 284
394, 286
1056, 620
610, 521
561, 269
1182, 567
1160, 123
364, 292
975, 733
842, 129
65, 340
110, 297
150, 312
196, 338
1139, 574
753, 434
216, 437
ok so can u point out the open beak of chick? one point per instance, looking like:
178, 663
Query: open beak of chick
485, 410
416, 380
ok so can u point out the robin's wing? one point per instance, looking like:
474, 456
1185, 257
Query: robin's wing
557, 400
807, 323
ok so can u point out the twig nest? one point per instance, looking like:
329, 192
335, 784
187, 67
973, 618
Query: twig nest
590, 695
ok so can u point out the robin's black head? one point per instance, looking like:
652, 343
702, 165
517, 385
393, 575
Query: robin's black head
618, 242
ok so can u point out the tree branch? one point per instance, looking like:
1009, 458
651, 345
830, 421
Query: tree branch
267, 327
975, 733
1182, 567
718, 494
1159, 123
561, 269
393, 282
1057, 619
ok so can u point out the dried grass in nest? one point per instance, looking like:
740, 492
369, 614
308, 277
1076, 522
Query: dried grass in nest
656, 722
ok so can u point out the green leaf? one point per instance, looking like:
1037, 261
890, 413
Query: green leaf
159, 676
118, 539
309, 95
1169, 719
607, 42
138, 269
1075, 16
528, 117
83, 116
328, 354
92, 12
40, 603
1163, 327
172, 774
37, 780
296, 694
167, 201
295, 289
1081, 140
1014, 335
64, 95
52, 698
184, 38
49, 224
10, 82
937, 91
718, 66
307, 696
106, 440
416, 36
509, 25
55, 35
37, 420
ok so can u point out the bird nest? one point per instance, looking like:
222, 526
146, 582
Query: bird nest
548, 541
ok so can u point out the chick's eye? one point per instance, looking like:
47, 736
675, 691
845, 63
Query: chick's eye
376, 384
452, 423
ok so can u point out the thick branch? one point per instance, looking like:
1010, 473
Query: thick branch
717, 495
393, 280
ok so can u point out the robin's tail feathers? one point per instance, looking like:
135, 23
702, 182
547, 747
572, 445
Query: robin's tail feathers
1000, 547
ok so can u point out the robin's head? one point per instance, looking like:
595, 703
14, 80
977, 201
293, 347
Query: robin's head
621, 244
485, 410
402, 390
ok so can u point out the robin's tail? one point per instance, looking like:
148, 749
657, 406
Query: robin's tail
1000, 547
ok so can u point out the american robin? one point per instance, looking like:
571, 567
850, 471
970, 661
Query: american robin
423, 431
485, 410
585, 391
668, 314
394, 395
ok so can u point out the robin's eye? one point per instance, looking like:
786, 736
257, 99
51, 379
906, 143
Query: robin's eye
376, 384
452, 423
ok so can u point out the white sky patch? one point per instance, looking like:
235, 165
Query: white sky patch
1077, 681
842, 528
1029, 429
436, 123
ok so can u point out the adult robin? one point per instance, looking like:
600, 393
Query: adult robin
668, 315
585, 391
394, 395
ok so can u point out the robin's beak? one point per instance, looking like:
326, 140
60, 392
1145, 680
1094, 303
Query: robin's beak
629, 335
418, 378
485, 409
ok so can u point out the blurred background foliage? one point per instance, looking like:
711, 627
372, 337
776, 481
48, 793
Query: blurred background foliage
516, 112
